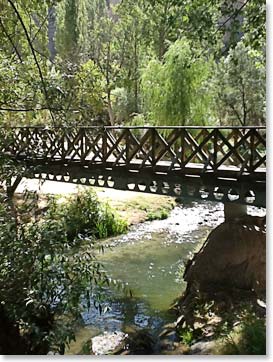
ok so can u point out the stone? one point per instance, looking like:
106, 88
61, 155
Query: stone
108, 343
202, 348
134, 342
232, 211
141, 342
164, 333
233, 256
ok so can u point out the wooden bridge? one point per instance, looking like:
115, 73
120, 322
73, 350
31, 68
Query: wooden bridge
226, 164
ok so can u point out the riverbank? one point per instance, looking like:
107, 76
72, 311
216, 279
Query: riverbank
133, 207
136, 207
223, 309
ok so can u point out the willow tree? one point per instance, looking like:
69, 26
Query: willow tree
174, 90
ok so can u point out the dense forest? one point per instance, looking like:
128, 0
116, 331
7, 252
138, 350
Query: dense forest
89, 62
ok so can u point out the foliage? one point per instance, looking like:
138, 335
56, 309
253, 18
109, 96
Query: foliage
48, 268
161, 214
236, 322
43, 280
254, 25
72, 30
186, 336
248, 339
92, 62
83, 214
240, 87
121, 105
173, 90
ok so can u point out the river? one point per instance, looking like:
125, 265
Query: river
150, 260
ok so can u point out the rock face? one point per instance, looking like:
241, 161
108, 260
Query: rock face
233, 256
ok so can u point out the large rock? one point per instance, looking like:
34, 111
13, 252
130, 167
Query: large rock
108, 343
136, 342
233, 256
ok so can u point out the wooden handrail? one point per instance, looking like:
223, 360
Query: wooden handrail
150, 147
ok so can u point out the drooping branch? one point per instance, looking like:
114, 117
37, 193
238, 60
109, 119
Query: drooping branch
32, 109
33, 54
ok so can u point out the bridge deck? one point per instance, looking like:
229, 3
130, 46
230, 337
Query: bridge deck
165, 159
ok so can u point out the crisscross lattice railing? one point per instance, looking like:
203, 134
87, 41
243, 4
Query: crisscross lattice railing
171, 148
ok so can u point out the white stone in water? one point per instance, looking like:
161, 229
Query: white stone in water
108, 342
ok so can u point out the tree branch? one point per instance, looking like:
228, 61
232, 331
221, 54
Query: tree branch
233, 15
32, 109
11, 41
34, 55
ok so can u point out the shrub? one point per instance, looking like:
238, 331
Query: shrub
45, 281
84, 214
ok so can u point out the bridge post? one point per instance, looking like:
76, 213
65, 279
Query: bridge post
233, 211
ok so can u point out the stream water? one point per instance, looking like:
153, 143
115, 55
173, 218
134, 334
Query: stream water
150, 259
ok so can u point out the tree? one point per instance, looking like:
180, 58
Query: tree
173, 89
120, 38
240, 87
24, 55
108, 50
72, 30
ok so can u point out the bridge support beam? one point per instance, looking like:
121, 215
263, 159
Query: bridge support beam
233, 211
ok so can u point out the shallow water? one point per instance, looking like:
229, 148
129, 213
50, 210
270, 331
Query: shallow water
150, 261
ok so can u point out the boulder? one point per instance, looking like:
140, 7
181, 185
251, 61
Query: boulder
136, 342
108, 343
233, 256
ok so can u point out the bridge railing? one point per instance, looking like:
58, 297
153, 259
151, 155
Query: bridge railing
174, 148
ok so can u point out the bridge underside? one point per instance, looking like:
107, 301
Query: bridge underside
186, 185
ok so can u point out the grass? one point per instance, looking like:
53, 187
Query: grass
237, 329
247, 338
147, 208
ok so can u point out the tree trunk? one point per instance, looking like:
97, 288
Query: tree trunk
135, 76
110, 109
51, 32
